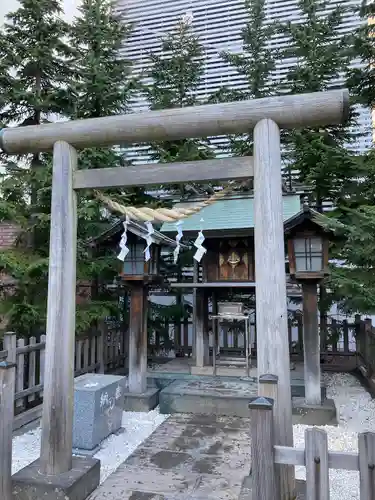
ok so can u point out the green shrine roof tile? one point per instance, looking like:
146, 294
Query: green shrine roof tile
229, 214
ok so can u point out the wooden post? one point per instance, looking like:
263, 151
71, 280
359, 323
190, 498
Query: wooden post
57, 417
186, 336
177, 322
10, 345
206, 333
215, 332
271, 305
138, 339
199, 330
195, 306
42, 363
368, 331
358, 334
311, 344
366, 452
268, 388
101, 340
346, 335
317, 467
20, 373
7, 389
262, 458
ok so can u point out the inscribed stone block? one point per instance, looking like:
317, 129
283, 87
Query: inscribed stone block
98, 408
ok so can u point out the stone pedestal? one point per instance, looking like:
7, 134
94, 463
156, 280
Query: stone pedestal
77, 484
98, 408
143, 402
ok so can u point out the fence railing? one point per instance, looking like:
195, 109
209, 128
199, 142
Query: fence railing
101, 352
269, 460
338, 338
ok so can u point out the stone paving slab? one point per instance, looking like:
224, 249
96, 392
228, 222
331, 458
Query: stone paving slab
218, 421
189, 457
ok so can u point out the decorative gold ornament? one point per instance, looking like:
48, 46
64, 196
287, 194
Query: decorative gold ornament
234, 259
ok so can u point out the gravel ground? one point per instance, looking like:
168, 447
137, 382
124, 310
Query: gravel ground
137, 427
356, 413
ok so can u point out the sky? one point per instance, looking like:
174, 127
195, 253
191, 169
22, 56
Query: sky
70, 8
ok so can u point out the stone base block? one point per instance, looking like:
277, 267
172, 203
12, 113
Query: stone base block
306, 414
231, 398
79, 452
246, 489
298, 389
142, 402
77, 484
98, 407
218, 397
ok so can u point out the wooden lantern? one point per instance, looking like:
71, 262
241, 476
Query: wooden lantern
308, 246
135, 268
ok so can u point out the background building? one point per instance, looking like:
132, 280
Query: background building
218, 24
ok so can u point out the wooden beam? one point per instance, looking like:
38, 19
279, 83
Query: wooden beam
271, 305
289, 111
58, 398
165, 173
311, 343
297, 456
214, 284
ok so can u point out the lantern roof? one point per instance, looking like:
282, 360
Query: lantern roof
307, 216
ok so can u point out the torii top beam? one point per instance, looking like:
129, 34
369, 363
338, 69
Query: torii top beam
289, 111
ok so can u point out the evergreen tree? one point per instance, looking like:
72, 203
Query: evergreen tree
353, 282
361, 79
175, 77
103, 86
319, 157
88, 80
34, 74
256, 65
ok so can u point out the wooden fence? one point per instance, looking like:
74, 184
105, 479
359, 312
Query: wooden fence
100, 352
338, 340
347, 346
270, 462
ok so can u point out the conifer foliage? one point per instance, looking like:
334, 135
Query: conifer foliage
72, 72
255, 64
174, 79
319, 158
35, 74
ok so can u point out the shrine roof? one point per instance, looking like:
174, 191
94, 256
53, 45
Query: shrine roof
230, 214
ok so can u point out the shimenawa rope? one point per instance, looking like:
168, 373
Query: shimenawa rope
147, 214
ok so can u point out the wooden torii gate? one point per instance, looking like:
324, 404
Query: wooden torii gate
266, 117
